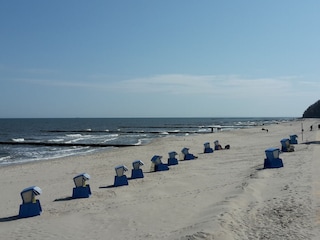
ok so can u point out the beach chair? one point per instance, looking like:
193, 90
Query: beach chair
157, 164
172, 160
186, 155
285, 145
120, 179
30, 205
293, 139
207, 148
273, 160
81, 189
136, 172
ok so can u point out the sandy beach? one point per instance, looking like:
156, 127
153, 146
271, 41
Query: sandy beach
222, 195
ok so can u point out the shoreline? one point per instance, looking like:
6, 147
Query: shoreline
96, 146
62, 145
222, 195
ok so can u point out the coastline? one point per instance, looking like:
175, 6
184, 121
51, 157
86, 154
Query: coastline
223, 195
36, 139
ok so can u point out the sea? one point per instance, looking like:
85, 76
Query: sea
25, 140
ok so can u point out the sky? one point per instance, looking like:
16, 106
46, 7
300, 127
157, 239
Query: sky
158, 58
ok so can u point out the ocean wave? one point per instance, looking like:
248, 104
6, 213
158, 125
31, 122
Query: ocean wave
5, 158
18, 139
44, 154
113, 135
110, 139
136, 135
75, 140
65, 152
74, 135
204, 130
57, 140
164, 133
138, 143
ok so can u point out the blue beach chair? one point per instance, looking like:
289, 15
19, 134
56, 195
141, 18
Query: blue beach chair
81, 189
136, 172
120, 179
30, 205
158, 165
273, 160
172, 160
293, 139
285, 145
186, 155
207, 148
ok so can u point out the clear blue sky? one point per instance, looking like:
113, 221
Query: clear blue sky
165, 58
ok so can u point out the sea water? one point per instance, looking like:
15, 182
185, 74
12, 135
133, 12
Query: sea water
107, 132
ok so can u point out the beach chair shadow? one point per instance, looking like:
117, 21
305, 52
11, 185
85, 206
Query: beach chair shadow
311, 142
148, 172
130, 178
63, 199
109, 186
9, 219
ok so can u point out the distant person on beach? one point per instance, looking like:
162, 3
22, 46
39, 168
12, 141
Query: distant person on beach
217, 146
311, 128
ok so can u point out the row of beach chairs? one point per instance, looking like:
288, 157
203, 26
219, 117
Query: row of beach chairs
31, 206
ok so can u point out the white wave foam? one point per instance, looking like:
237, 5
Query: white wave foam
75, 140
164, 133
138, 143
113, 135
56, 140
18, 139
39, 156
74, 135
4, 159
137, 135
203, 130
110, 139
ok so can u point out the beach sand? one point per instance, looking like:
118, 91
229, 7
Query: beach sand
222, 195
